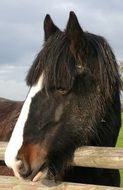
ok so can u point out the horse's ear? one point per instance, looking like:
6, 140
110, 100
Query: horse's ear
74, 31
49, 27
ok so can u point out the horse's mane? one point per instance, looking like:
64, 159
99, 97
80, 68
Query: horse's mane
58, 63
106, 63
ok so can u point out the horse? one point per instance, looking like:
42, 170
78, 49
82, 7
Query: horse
73, 101
9, 113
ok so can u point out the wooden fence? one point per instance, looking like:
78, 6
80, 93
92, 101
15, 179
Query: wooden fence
98, 157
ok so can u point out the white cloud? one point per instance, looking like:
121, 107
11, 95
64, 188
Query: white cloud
13, 90
12, 79
12, 83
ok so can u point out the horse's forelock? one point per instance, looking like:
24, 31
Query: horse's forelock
57, 62
60, 69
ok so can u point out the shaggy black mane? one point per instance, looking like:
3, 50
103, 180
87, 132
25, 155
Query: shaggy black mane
58, 63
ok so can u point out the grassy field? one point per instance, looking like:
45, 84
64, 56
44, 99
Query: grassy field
120, 144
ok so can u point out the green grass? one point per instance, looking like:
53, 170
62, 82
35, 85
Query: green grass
120, 144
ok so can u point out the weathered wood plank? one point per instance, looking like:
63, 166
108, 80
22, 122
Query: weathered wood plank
2, 149
99, 157
12, 183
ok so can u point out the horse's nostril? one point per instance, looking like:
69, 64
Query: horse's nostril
24, 170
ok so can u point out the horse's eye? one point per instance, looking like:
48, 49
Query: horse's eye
62, 91
79, 68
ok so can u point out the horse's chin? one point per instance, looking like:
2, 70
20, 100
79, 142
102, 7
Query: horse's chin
37, 174
40, 175
34, 178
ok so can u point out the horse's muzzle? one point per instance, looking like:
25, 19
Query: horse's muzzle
24, 169
26, 172
33, 159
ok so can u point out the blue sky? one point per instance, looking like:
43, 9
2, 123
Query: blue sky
21, 33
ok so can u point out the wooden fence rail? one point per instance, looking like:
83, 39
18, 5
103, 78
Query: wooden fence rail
14, 184
99, 157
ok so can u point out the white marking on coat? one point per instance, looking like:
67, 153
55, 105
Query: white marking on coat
58, 112
16, 139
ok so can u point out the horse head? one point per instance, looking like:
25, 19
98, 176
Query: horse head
72, 82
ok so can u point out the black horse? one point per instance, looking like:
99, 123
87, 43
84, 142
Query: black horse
73, 101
